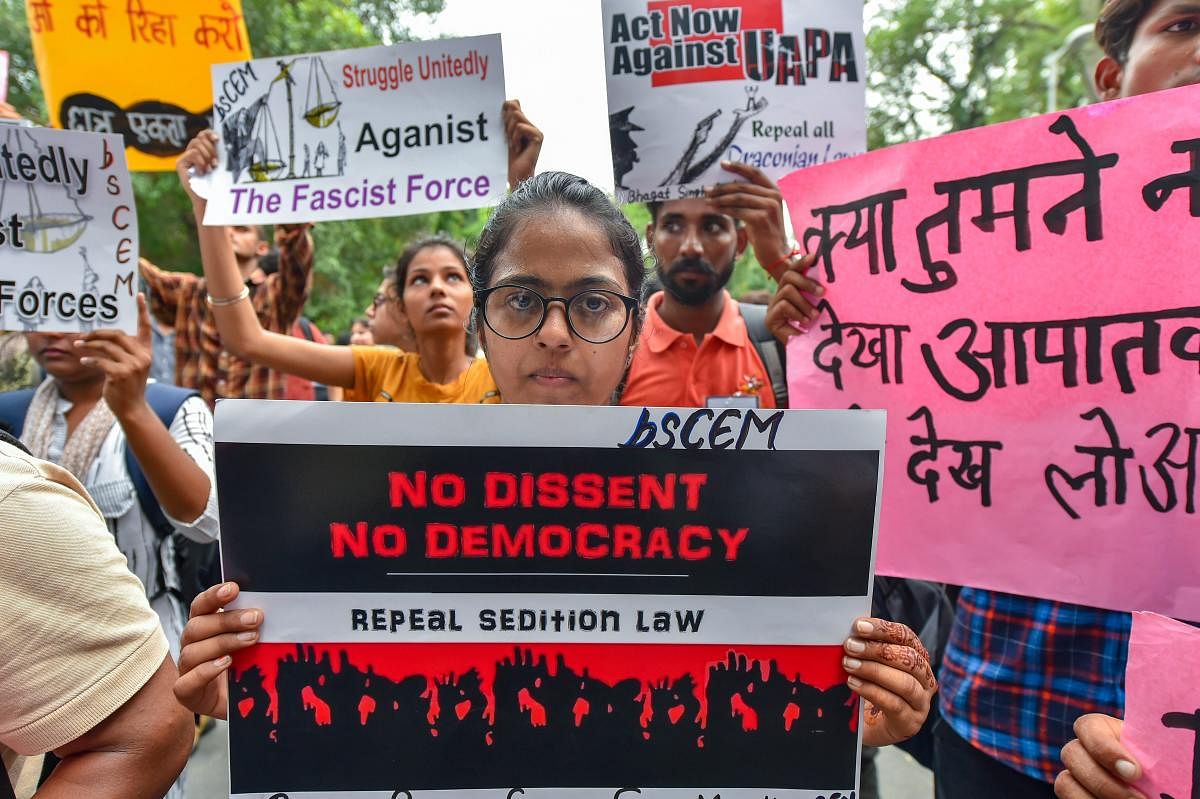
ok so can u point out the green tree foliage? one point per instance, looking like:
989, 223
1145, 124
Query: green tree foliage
945, 65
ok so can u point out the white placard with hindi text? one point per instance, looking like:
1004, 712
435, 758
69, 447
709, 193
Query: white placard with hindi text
352, 134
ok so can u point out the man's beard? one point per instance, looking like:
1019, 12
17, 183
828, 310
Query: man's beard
702, 291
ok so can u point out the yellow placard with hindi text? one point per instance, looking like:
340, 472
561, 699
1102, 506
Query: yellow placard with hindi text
139, 68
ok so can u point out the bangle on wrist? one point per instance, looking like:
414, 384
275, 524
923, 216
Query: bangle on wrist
795, 251
221, 302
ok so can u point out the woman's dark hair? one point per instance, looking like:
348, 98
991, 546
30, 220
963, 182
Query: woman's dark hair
399, 274
548, 192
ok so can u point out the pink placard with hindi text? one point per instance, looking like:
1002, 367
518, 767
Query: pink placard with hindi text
1024, 300
1162, 705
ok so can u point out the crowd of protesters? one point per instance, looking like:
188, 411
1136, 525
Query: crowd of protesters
107, 476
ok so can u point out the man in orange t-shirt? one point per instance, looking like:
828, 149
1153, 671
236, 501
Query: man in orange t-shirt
695, 349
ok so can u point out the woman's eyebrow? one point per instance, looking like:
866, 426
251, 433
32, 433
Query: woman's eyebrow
542, 285
524, 279
596, 281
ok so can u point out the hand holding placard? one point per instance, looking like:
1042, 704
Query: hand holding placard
756, 201
524, 142
197, 160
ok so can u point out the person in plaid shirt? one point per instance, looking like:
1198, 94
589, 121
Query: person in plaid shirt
177, 299
1019, 673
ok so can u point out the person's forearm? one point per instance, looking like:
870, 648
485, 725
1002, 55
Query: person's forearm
237, 323
179, 484
134, 754
771, 252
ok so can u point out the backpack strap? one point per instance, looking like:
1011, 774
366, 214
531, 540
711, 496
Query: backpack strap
13, 441
306, 328
13, 407
772, 353
165, 400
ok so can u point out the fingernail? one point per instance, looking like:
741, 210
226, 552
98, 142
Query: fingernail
865, 627
250, 617
855, 645
247, 636
225, 591
222, 662
725, 162
852, 664
78, 342
819, 291
1126, 769
854, 682
814, 314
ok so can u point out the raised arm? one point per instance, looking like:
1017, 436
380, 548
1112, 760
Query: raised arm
524, 143
241, 332
181, 486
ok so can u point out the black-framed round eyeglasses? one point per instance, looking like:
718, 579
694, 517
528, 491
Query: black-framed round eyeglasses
515, 312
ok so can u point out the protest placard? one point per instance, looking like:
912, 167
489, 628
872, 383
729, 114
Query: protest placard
68, 232
1162, 706
352, 134
1023, 299
478, 601
102, 67
776, 85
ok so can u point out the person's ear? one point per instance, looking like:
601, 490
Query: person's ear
743, 239
1109, 75
262, 248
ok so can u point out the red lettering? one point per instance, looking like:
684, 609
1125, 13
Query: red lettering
124, 251
441, 540
526, 490
589, 491
550, 550
107, 160
586, 550
499, 490
449, 490
119, 209
404, 489
340, 538
552, 490
660, 544
627, 539
379, 540
694, 483
620, 491
733, 541
688, 532
657, 492
506, 545
114, 186
474, 541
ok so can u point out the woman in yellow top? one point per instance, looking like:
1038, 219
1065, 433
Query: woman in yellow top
434, 294
436, 298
